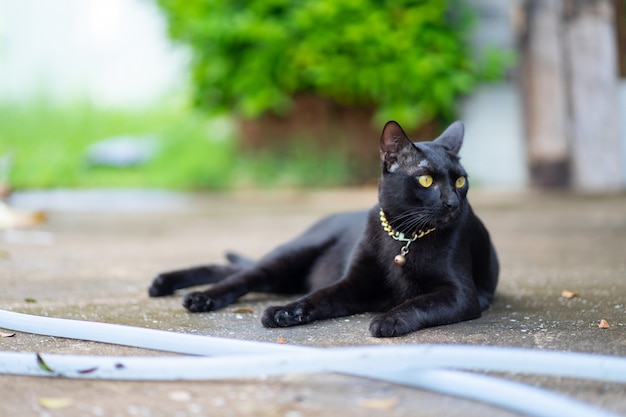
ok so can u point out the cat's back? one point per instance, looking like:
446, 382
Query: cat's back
340, 233
339, 226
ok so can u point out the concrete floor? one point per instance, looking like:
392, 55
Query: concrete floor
95, 263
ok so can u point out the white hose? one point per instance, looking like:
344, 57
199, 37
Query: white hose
496, 391
383, 366
135, 336
479, 358
353, 360
413, 365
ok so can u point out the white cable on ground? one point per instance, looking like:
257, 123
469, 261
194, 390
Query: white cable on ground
479, 358
352, 360
135, 336
495, 391
409, 365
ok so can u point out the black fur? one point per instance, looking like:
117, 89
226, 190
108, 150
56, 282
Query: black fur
345, 262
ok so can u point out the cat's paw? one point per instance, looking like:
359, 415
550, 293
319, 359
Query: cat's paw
286, 316
390, 326
198, 302
161, 286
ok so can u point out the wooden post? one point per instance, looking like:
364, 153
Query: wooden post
593, 95
545, 94
570, 80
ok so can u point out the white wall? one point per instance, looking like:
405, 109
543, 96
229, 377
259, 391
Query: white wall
111, 51
493, 150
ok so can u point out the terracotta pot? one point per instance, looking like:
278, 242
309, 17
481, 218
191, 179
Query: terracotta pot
326, 127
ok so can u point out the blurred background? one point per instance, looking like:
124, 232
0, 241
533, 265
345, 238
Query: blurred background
208, 95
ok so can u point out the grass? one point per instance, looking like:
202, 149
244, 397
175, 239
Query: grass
48, 141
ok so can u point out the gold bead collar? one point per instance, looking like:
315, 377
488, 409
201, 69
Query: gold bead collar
400, 259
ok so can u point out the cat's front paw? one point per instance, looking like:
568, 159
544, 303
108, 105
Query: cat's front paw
162, 285
390, 326
291, 315
198, 302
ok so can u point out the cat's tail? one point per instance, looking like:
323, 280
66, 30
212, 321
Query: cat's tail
236, 259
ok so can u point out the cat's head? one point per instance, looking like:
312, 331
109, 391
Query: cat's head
423, 185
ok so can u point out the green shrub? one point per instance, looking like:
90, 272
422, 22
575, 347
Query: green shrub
408, 59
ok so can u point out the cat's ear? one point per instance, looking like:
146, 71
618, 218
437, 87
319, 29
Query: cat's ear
452, 137
392, 142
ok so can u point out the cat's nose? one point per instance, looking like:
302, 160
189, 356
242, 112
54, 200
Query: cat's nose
451, 203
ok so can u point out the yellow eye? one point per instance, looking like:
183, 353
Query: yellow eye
460, 182
425, 180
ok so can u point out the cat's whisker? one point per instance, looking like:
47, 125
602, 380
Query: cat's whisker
416, 219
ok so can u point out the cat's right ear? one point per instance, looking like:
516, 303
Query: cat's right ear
392, 142
452, 137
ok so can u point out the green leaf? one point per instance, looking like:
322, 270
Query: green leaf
43, 365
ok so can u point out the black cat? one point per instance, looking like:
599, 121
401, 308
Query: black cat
420, 256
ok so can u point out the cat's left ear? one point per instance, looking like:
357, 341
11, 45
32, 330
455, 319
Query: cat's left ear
393, 142
452, 137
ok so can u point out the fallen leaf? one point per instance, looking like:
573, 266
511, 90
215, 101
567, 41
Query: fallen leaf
180, 396
604, 324
281, 340
30, 300
43, 365
569, 294
119, 366
243, 310
379, 403
12, 218
55, 403
88, 371
2, 334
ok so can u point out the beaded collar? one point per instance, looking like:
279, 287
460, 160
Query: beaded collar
400, 259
